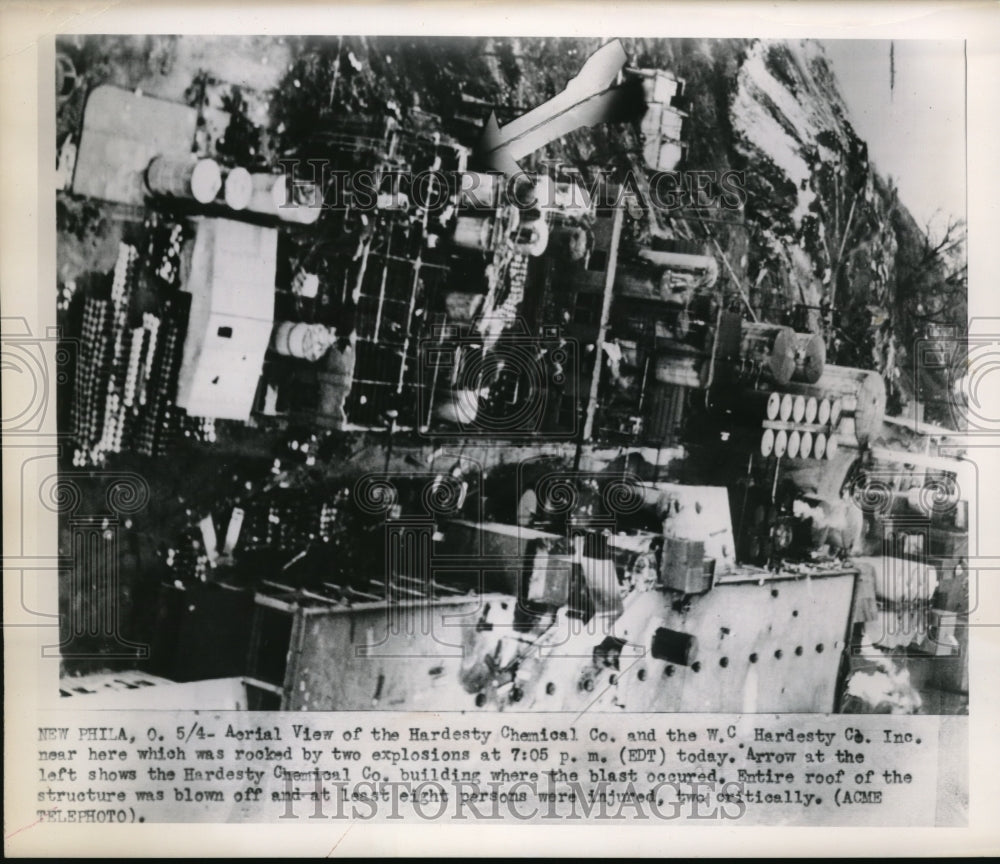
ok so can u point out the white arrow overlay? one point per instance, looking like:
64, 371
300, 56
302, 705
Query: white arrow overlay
587, 99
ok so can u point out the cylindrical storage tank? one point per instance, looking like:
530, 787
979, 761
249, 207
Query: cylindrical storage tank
798, 408
832, 445
473, 232
769, 348
823, 412
780, 442
281, 337
767, 442
773, 406
184, 177
806, 445
302, 340
238, 189
812, 409
819, 446
794, 444
810, 357
786, 407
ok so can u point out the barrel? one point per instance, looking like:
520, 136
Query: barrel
798, 408
806, 445
819, 446
773, 405
794, 444
302, 340
238, 189
812, 409
780, 443
769, 348
184, 177
831, 447
786, 407
810, 357
823, 411
767, 442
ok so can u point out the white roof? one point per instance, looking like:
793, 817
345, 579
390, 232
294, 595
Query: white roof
231, 283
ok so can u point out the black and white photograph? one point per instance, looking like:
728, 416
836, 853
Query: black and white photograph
562, 427
490, 374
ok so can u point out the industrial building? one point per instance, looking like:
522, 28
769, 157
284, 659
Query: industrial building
684, 486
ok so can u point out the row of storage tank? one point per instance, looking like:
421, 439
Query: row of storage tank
800, 405
206, 182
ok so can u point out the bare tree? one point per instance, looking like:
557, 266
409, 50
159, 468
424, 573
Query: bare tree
932, 285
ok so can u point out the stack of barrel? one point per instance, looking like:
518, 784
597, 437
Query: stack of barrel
808, 407
206, 182
800, 426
